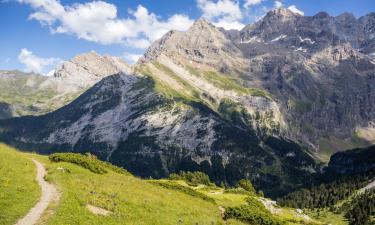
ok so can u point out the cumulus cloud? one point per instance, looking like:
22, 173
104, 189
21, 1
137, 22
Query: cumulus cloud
249, 3
98, 21
36, 64
222, 13
132, 58
278, 4
294, 9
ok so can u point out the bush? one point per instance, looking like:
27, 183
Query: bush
246, 185
183, 189
87, 161
253, 213
237, 190
192, 178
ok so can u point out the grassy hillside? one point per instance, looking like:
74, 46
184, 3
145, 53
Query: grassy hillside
128, 199
85, 182
18, 189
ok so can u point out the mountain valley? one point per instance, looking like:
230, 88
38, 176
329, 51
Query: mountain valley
287, 105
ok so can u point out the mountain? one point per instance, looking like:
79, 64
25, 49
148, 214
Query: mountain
266, 103
318, 70
124, 120
34, 94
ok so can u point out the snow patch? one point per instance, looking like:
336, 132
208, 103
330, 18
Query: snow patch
301, 49
279, 38
306, 40
252, 39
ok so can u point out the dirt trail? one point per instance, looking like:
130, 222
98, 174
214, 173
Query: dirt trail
49, 194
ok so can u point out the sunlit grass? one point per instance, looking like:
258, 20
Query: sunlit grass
19, 190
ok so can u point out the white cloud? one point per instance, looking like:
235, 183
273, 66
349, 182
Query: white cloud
278, 4
36, 64
132, 58
294, 9
51, 73
229, 25
249, 3
223, 13
98, 21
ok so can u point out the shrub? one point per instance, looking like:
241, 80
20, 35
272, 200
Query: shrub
183, 189
237, 190
246, 185
253, 213
87, 161
192, 178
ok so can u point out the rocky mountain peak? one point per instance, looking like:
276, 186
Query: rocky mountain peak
282, 14
85, 57
346, 16
201, 23
322, 15
368, 23
275, 23
84, 70
92, 64
202, 43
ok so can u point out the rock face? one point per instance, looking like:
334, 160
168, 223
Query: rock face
123, 120
33, 94
318, 69
254, 103
85, 70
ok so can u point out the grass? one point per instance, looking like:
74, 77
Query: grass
187, 94
132, 200
184, 189
87, 161
18, 189
327, 217
330, 145
226, 82
129, 199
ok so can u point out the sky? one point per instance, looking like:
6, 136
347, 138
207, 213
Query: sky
38, 35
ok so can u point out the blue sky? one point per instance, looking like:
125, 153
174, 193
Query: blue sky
38, 34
